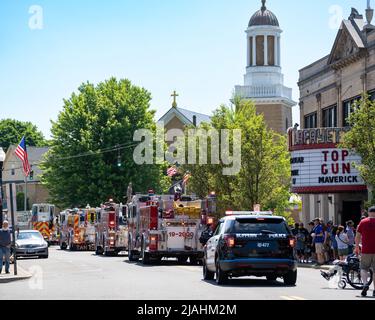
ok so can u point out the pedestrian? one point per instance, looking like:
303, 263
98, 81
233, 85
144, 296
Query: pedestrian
310, 247
350, 231
342, 240
318, 239
334, 246
366, 236
301, 238
5, 243
328, 242
295, 229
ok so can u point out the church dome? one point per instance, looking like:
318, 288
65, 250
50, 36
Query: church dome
264, 17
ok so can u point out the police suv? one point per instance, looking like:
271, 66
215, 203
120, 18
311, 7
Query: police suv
251, 244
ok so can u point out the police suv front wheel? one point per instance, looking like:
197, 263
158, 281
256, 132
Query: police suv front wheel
221, 276
290, 279
207, 274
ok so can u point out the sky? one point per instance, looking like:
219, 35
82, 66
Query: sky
196, 47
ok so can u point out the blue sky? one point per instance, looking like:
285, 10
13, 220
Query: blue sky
197, 47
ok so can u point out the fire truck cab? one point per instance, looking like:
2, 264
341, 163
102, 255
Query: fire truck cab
72, 230
160, 227
43, 219
111, 235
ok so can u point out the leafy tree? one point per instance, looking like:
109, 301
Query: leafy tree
12, 131
20, 199
361, 139
99, 122
264, 177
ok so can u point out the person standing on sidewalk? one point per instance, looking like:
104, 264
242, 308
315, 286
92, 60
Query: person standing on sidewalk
350, 231
366, 236
5, 243
318, 239
342, 240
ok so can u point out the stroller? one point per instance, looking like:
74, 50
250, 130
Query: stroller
348, 272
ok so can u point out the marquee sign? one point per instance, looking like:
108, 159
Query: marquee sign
319, 166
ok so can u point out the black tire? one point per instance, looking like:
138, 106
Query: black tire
271, 278
207, 274
355, 280
132, 256
193, 261
63, 246
182, 259
145, 255
45, 257
221, 276
290, 279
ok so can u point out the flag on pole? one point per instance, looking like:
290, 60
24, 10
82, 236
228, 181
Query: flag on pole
172, 171
187, 176
21, 153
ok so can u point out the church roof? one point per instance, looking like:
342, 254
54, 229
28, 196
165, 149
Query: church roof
264, 17
186, 116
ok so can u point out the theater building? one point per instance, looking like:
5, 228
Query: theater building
322, 173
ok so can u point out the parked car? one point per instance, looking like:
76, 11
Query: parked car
251, 244
31, 243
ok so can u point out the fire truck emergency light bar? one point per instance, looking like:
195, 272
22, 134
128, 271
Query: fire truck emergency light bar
250, 213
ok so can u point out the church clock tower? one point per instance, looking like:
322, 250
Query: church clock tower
264, 82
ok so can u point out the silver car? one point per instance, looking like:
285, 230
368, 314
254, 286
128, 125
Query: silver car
31, 243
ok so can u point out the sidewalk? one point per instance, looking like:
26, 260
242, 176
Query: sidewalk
314, 266
22, 274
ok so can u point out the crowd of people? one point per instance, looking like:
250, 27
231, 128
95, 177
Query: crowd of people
322, 243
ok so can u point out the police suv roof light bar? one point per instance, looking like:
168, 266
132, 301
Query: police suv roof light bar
249, 213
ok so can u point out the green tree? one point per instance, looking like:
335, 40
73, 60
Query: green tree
12, 131
20, 199
361, 139
99, 122
264, 177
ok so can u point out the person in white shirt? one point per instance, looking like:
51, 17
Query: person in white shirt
342, 243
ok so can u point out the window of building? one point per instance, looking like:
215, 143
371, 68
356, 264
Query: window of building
271, 50
311, 120
329, 117
260, 50
348, 107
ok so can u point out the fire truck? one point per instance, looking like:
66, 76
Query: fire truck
165, 226
91, 215
73, 230
111, 235
44, 220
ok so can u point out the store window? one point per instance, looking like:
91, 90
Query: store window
348, 109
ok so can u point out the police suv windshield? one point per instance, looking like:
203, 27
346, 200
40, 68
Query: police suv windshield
258, 226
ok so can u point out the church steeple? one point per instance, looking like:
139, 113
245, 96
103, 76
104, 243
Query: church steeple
174, 95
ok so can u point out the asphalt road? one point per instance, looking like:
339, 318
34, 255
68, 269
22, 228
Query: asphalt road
82, 275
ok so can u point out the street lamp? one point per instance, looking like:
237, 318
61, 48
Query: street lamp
2, 158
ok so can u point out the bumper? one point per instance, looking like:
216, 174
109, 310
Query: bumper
253, 266
174, 254
32, 252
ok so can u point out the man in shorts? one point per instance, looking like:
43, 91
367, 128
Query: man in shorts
366, 236
318, 236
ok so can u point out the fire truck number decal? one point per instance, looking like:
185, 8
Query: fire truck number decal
181, 234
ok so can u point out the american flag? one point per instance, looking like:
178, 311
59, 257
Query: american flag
172, 171
21, 152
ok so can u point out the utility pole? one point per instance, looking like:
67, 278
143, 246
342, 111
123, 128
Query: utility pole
12, 190
2, 158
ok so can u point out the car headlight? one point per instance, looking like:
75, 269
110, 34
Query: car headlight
45, 245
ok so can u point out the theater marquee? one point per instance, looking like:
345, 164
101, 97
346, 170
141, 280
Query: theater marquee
319, 166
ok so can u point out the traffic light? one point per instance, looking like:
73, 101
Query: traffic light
31, 176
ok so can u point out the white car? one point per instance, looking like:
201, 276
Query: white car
31, 243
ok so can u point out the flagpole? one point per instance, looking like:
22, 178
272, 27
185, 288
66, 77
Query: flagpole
25, 205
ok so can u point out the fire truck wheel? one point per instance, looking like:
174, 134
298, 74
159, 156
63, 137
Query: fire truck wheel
98, 251
145, 256
63, 246
132, 256
193, 261
182, 259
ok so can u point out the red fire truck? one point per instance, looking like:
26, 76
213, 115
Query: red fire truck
161, 227
111, 230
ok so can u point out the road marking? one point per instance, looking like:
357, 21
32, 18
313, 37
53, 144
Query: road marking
292, 298
192, 269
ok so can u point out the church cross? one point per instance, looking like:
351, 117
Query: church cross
174, 95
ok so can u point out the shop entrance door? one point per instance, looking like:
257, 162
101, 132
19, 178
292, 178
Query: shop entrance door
351, 211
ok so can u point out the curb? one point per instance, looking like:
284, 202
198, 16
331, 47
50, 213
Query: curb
309, 266
22, 275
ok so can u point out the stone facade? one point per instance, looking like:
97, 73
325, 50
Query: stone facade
327, 87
